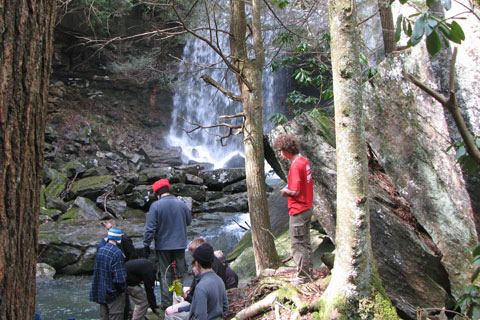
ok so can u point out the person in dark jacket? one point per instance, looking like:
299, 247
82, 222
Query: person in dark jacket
231, 277
217, 267
109, 278
167, 222
126, 244
141, 271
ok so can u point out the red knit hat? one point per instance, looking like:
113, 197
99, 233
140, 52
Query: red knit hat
160, 184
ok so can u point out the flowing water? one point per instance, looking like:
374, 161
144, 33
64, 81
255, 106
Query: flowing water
196, 103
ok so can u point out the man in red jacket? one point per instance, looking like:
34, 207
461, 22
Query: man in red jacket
299, 192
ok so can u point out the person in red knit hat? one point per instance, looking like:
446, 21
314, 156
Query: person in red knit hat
166, 225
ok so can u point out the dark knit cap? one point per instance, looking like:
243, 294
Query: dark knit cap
204, 255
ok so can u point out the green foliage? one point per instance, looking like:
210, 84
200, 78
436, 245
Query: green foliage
278, 119
462, 156
312, 74
299, 101
282, 4
368, 71
429, 26
469, 302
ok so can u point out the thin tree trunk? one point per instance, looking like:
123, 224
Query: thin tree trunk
355, 285
250, 83
25, 58
388, 28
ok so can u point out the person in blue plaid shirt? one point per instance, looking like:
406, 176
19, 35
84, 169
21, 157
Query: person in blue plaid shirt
109, 278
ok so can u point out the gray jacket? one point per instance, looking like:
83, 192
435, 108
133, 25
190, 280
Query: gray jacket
210, 298
167, 222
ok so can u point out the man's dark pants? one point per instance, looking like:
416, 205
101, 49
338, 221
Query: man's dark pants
165, 272
114, 310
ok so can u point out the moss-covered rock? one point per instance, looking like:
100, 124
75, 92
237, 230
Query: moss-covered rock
55, 188
71, 214
91, 187
244, 264
73, 168
53, 214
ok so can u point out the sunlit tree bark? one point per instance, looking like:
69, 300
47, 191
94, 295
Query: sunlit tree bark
355, 288
250, 82
25, 58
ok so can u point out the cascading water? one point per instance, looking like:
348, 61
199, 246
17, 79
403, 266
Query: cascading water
195, 102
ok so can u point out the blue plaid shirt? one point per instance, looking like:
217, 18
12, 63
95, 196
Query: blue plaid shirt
108, 274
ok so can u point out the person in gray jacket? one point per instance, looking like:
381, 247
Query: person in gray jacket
210, 300
167, 222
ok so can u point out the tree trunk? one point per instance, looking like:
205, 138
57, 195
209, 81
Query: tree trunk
250, 83
388, 28
25, 59
355, 288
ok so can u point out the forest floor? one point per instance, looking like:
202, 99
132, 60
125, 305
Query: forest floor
258, 288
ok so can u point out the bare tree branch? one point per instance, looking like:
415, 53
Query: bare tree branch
368, 18
427, 89
233, 129
452, 106
220, 88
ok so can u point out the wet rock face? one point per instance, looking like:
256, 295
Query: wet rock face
409, 132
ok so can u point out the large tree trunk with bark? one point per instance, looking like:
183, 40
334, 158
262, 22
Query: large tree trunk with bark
250, 82
355, 287
25, 59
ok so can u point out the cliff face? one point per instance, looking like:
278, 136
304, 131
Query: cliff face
109, 82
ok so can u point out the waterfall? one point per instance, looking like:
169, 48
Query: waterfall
199, 103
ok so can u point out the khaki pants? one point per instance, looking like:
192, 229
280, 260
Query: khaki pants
114, 310
179, 315
300, 242
139, 298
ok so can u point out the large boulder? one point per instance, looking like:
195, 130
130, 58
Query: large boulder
140, 198
44, 272
150, 175
169, 156
54, 190
409, 133
119, 208
411, 263
195, 192
230, 203
91, 187
70, 246
217, 179
84, 209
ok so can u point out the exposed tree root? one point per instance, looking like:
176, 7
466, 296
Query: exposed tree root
258, 307
283, 292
